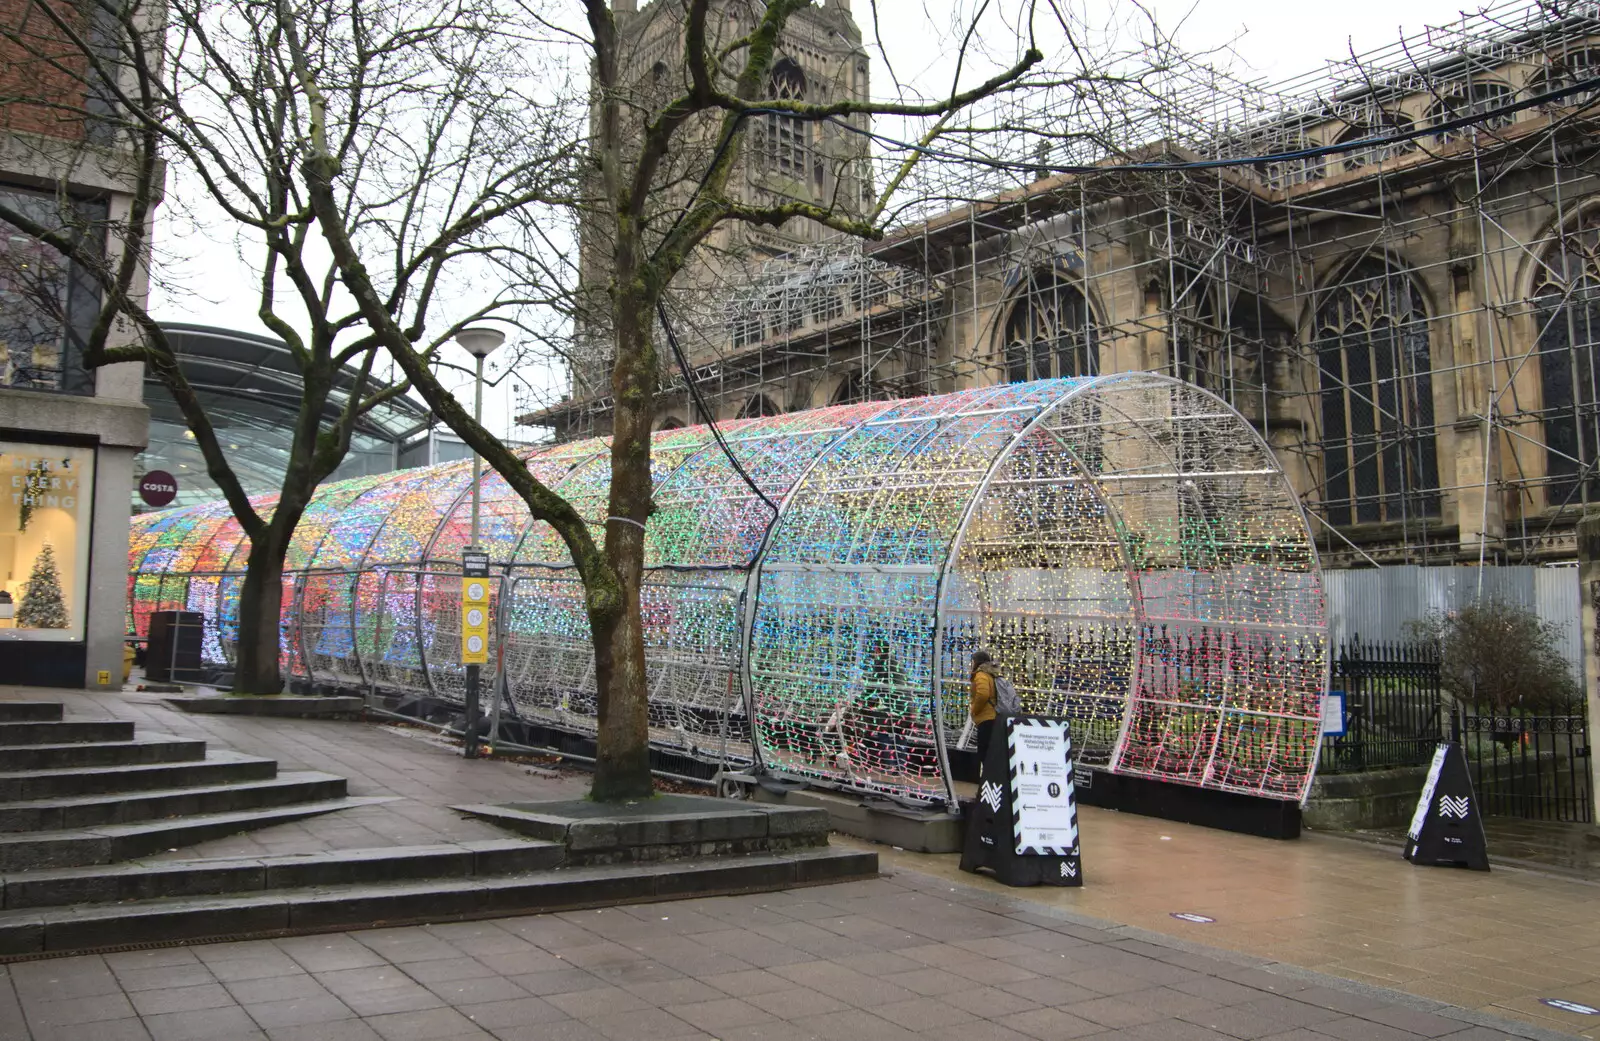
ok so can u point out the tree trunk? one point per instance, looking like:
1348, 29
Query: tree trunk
622, 759
257, 652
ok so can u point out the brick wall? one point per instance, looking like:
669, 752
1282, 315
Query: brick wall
41, 74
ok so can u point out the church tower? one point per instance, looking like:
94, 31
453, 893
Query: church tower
819, 59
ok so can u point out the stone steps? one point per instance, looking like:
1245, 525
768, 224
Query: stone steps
319, 909
55, 732
138, 750
155, 879
112, 842
23, 711
87, 811
219, 766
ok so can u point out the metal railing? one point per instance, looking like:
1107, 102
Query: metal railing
1394, 709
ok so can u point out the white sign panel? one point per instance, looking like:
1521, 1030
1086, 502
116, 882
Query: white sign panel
1427, 792
1333, 714
1041, 780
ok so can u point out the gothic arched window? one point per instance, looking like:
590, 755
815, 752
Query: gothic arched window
1378, 455
1197, 355
1050, 332
1487, 98
784, 141
1568, 314
759, 406
1385, 124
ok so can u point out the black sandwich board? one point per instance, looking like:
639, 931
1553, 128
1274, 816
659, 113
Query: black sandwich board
1024, 824
1446, 830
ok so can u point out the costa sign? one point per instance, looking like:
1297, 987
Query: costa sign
157, 488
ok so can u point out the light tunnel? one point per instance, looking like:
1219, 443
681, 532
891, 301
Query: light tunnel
1126, 546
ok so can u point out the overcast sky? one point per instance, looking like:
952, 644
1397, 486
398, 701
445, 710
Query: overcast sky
1273, 39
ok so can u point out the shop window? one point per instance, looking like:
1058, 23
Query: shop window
44, 539
47, 305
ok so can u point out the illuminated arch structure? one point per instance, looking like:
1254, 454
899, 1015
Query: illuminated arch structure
1125, 545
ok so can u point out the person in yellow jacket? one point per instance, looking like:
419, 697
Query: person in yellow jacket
982, 705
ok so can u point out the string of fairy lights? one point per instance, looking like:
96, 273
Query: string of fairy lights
1125, 546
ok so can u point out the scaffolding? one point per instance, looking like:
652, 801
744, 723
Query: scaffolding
1410, 324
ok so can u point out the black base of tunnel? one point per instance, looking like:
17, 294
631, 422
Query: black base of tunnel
1186, 804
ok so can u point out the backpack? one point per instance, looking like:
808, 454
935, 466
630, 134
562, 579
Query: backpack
1006, 701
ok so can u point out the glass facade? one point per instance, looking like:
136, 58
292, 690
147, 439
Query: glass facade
255, 436
47, 305
249, 386
45, 517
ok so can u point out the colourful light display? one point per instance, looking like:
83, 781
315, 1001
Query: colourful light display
1126, 547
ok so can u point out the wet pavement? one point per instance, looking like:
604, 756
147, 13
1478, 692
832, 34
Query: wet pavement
1554, 847
1452, 943
889, 960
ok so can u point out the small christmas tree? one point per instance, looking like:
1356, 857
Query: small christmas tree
43, 606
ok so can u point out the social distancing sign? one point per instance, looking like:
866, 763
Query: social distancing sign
475, 609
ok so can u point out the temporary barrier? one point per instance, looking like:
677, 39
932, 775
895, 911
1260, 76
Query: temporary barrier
1126, 547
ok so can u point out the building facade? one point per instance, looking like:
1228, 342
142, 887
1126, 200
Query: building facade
68, 434
820, 59
1396, 279
250, 388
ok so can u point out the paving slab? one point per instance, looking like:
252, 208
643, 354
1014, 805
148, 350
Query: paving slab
660, 971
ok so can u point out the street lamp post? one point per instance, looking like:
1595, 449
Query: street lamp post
479, 343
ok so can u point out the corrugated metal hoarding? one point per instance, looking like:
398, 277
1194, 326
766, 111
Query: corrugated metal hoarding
1376, 603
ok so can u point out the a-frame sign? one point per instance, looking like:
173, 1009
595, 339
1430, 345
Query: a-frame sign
1447, 829
1024, 824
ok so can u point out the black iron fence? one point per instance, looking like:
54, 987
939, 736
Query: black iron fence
1527, 763
1533, 765
1394, 710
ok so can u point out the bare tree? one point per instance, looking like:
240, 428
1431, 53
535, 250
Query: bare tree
659, 185
441, 148
408, 136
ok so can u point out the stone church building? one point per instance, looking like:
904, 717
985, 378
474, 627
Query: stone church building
1395, 279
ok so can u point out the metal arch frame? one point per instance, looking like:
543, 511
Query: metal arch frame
310, 571
366, 552
1242, 424
1136, 664
751, 597
930, 436
1316, 570
881, 418
1136, 599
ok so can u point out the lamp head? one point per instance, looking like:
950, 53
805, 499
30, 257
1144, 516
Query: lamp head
481, 341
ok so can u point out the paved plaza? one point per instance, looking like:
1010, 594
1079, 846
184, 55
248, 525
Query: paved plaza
888, 960
1309, 938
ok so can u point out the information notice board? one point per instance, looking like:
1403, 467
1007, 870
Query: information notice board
1024, 823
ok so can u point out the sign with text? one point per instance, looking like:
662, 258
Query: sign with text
1046, 820
1333, 724
157, 488
1446, 830
474, 608
1024, 824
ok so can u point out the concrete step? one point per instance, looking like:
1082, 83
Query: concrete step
220, 766
113, 842
155, 879
142, 748
292, 706
309, 910
87, 811
13, 711
58, 732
